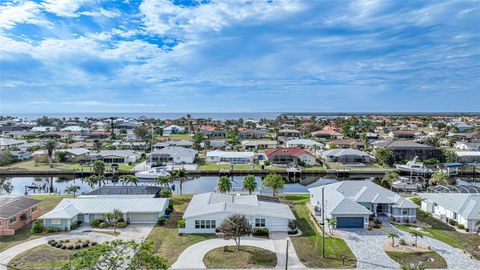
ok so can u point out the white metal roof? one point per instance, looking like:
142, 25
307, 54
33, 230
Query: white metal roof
467, 205
226, 154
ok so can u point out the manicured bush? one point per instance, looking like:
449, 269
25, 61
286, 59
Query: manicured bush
266, 163
461, 226
64, 247
376, 221
95, 223
121, 224
37, 226
73, 226
292, 225
51, 229
58, 245
402, 242
161, 221
61, 241
417, 200
52, 243
93, 243
78, 246
165, 193
452, 222
103, 225
260, 232
181, 223
87, 241
70, 246
467, 229
84, 244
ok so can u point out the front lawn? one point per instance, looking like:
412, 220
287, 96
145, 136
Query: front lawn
30, 165
166, 241
431, 259
446, 234
309, 245
246, 257
41, 257
24, 234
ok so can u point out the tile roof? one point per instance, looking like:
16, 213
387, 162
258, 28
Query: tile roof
287, 151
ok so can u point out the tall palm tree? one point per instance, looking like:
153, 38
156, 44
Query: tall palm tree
181, 175
129, 179
72, 189
50, 146
164, 181
249, 183
393, 236
224, 184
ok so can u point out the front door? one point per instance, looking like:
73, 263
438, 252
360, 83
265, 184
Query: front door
86, 218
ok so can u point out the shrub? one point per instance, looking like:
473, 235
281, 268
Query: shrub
58, 245
260, 232
37, 226
161, 221
84, 244
78, 246
52, 243
73, 226
376, 221
87, 241
461, 226
51, 229
95, 223
452, 222
181, 223
292, 225
417, 200
266, 163
165, 193
61, 241
93, 243
64, 247
467, 229
121, 224
402, 242
103, 225
70, 247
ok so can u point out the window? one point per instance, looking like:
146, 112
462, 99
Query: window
56, 221
404, 211
13, 219
205, 224
34, 209
260, 222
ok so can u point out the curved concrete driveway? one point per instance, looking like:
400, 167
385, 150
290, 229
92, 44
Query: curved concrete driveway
367, 246
135, 232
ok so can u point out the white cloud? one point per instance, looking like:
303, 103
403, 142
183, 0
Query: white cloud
65, 8
26, 12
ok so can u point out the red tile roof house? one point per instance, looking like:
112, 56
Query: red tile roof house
290, 156
16, 212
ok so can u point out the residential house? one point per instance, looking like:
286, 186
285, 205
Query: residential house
6, 143
284, 135
173, 129
304, 144
403, 134
225, 157
21, 155
207, 211
327, 134
468, 156
43, 129
86, 208
173, 154
348, 155
352, 203
290, 156
260, 144
75, 154
217, 144
252, 134
345, 143
460, 207
75, 129
460, 126
182, 143
16, 212
407, 150
119, 156
21, 134
467, 146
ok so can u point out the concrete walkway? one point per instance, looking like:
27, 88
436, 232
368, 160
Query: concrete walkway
137, 232
280, 243
367, 246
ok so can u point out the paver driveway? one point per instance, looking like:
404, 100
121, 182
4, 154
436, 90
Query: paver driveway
368, 248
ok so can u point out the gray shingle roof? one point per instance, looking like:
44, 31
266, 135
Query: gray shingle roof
11, 205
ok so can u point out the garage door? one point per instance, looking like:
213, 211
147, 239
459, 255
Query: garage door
143, 218
349, 222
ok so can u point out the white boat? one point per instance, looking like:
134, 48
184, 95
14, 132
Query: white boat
152, 174
406, 183
413, 167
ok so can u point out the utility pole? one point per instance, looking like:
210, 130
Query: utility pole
323, 222
286, 256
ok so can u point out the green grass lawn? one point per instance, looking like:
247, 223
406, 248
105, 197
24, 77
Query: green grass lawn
173, 137
246, 257
166, 241
408, 258
309, 245
41, 257
30, 165
24, 234
314, 168
446, 234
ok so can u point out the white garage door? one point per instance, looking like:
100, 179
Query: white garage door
143, 218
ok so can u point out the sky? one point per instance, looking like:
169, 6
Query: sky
239, 56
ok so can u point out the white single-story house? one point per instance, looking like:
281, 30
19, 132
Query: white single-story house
173, 129
348, 155
75, 129
86, 208
43, 129
10, 143
182, 143
467, 146
303, 144
462, 207
468, 156
206, 212
119, 156
352, 203
259, 144
226, 157
177, 155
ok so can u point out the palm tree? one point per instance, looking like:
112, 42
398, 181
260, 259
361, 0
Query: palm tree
249, 183
129, 179
390, 178
114, 217
416, 234
393, 236
164, 181
439, 178
50, 146
72, 189
93, 180
181, 175
224, 184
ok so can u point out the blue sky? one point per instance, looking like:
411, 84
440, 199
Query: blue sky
239, 56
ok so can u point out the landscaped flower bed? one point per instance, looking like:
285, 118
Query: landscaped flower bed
71, 244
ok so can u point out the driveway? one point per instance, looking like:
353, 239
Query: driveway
137, 232
368, 248
192, 257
